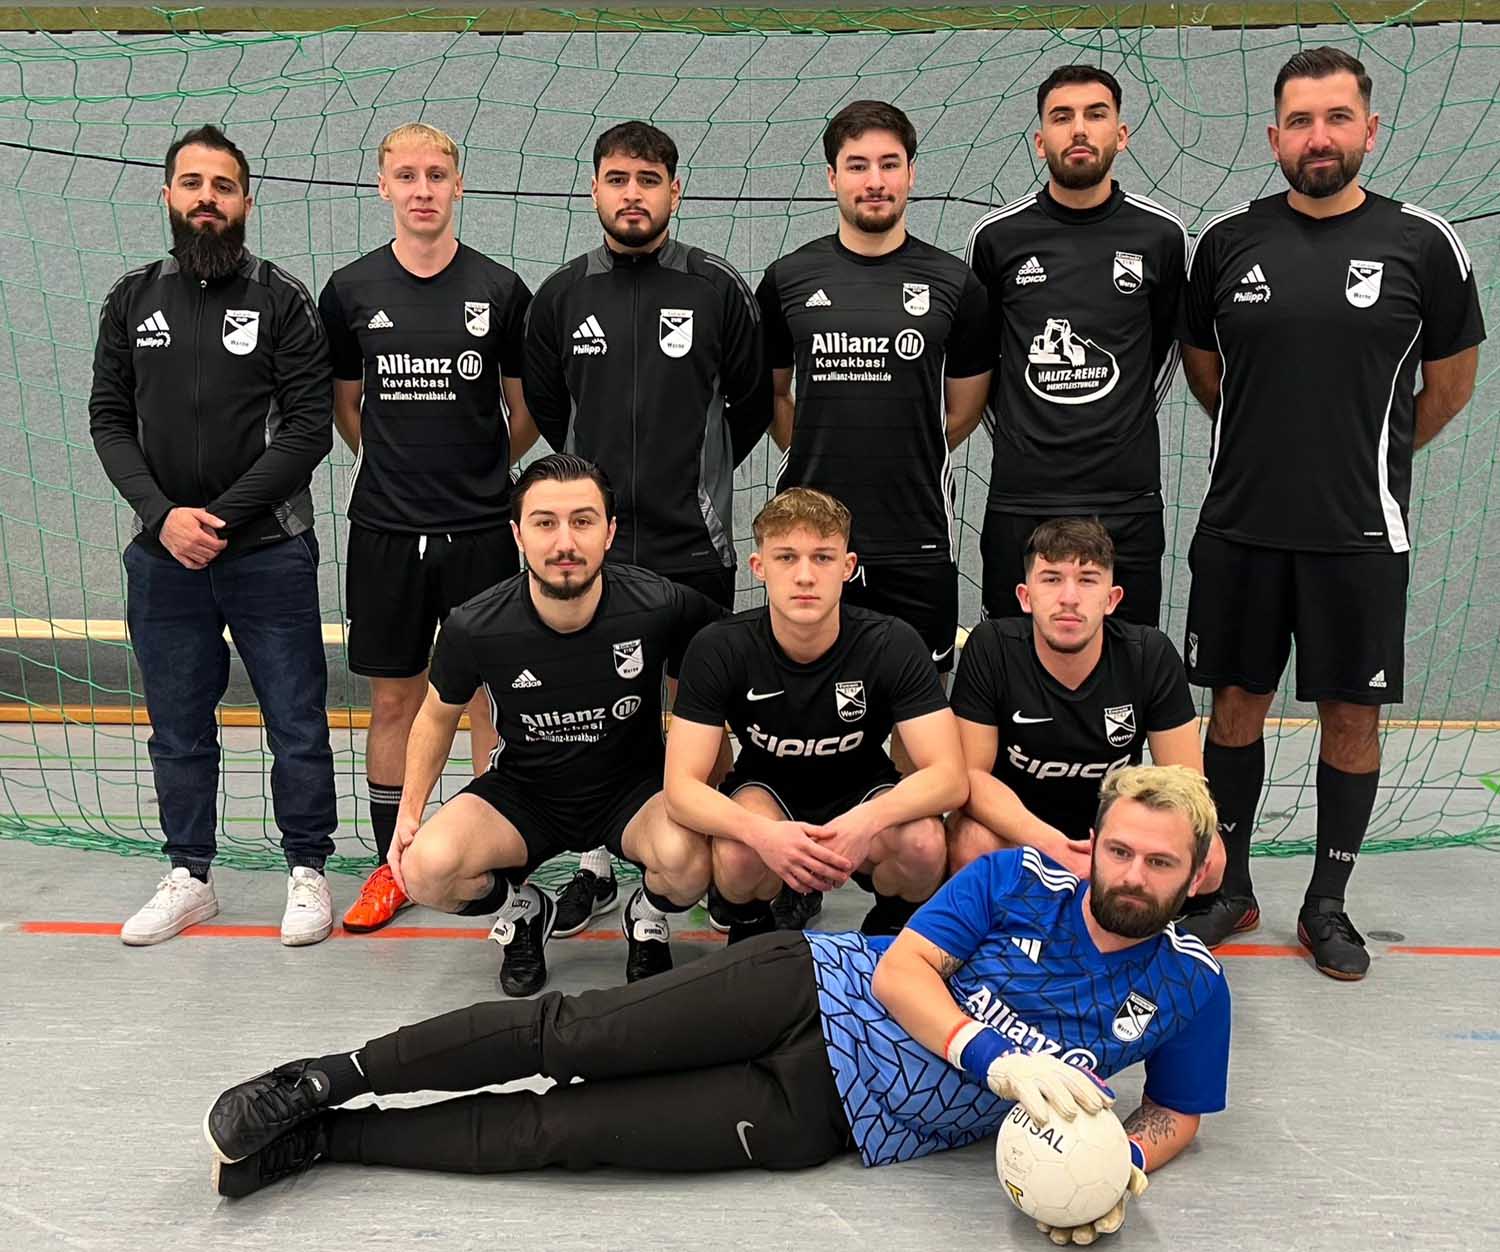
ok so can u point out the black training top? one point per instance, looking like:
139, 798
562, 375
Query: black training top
434, 450
1321, 324
870, 340
1057, 745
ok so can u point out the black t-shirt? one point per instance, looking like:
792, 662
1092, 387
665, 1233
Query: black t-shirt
1085, 305
870, 340
434, 432
1321, 324
1057, 745
815, 731
577, 714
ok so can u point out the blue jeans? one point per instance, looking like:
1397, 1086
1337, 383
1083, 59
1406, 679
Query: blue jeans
269, 600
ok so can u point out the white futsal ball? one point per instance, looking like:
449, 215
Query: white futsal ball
1064, 1173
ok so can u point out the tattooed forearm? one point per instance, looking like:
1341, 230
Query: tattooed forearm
1152, 1124
948, 966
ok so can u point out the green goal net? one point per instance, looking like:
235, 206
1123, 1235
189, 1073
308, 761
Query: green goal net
90, 99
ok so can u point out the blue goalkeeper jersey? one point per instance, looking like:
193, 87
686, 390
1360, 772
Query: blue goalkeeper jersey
1031, 972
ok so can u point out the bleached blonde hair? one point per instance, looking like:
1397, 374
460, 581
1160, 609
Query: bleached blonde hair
418, 132
1166, 789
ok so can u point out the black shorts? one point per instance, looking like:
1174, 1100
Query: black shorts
923, 594
1140, 541
399, 587
716, 584
821, 812
550, 824
1346, 610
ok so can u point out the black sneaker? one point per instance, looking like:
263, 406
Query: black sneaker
649, 942
523, 970
585, 896
1214, 918
793, 910
287, 1154
888, 916
247, 1117
720, 911
1338, 950
748, 923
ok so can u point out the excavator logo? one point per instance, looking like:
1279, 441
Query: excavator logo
1066, 368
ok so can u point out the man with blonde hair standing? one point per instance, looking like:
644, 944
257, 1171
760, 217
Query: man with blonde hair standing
426, 339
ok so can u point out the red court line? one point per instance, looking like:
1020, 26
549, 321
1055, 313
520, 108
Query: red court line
213, 930
216, 930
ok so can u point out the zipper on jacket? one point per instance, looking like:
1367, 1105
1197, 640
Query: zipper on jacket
635, 416
197, 378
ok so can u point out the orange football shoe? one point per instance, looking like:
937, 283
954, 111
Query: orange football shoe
380, 899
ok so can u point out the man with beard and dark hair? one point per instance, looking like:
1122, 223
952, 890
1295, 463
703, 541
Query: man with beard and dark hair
211, 405
1049, 706
1084, 280
887, 340
1016, 982
1307, 317
570, 653
644, 355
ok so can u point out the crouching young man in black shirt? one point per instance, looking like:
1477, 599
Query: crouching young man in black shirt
570, 654
811, 688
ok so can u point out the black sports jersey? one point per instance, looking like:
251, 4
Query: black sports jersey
870, 340
809, 731
1085, 305
1320, 324
434, 450
578, 713
1056, 745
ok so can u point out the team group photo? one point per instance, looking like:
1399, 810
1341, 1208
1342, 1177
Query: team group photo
806, 714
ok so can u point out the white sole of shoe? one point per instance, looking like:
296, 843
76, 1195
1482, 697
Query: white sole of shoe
214, 1148
191, 918
307, 938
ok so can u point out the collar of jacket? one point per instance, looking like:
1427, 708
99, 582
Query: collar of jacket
608, 258
245, 269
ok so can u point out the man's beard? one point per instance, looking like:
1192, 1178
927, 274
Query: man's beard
1321, 183
568, 590
873, 219
207, 251
1081, 177
1128, 921
637, 236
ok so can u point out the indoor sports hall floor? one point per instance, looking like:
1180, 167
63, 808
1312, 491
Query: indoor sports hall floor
1362, 1116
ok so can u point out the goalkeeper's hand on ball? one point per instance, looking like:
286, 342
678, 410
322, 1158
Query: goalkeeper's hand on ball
1042, 1085
1106, 1225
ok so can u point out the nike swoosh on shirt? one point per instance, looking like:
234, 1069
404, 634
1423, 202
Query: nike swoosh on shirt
1022, 721
740, 1128
753, 694
938, 656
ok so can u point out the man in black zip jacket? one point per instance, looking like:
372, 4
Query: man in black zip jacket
211, 405
644, 356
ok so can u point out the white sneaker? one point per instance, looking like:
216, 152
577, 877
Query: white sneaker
309, 909
180, 901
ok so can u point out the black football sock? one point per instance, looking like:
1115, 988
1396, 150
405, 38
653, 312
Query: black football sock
1235, 776
346, 1079
385, 803
1344, 805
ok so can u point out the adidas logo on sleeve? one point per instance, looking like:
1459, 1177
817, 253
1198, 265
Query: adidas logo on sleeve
1030, 272
154, 332
588, 339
